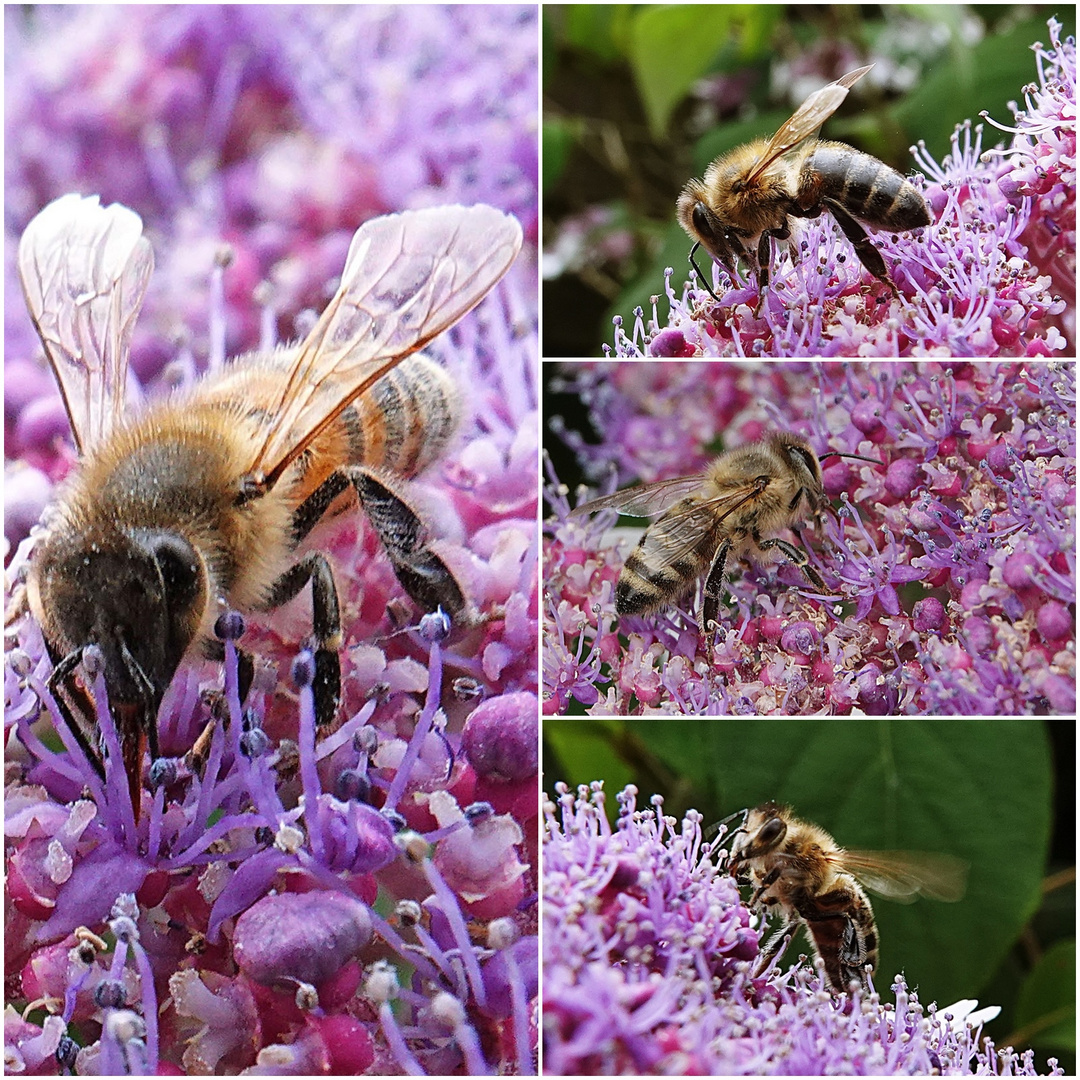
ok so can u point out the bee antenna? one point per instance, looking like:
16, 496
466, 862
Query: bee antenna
858, 457
697, 270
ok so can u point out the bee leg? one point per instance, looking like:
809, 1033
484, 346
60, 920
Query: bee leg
868, 254
775, 947
710, 599
764, 260
853, 955
326, 629
423, 575
701, 277
61, 684
796, 555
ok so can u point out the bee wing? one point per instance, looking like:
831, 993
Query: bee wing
809, 116
684, 527
904, 875
408, 277
84, 270
644, 500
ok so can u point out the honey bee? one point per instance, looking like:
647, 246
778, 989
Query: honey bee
198, 503
801, 870
731, 510
749, 195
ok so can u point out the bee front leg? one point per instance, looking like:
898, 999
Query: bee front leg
326, 626
62, 685
796, 555
775, 947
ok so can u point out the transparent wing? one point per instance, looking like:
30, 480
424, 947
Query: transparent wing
645, 500
84, 270
408, 277
681, 528
809, 116
904, 875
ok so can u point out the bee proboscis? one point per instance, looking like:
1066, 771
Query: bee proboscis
731, 510
197, 503
798, 869
748, 196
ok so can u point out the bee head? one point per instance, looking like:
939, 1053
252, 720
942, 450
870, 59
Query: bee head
764, 831
136, 594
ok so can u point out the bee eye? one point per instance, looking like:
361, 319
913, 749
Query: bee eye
771, 831
801, 454
702, 223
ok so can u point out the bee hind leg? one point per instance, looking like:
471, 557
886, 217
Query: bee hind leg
868, 254
423, 575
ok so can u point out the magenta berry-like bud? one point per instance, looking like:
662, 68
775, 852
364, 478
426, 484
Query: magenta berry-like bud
1053, 620
500, 737
902, 477
300, 937
929, 614
802, 638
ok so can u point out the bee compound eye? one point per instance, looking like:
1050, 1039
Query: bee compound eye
771, 831
702, 221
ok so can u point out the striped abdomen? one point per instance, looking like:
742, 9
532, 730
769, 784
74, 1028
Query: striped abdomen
405, 420
867, 188
663, 566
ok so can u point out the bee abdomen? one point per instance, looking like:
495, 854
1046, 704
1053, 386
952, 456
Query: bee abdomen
867, 188
650, 578
405, 420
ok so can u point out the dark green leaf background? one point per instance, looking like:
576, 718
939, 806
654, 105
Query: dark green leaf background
979, 789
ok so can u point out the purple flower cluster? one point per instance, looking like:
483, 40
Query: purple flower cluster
950, 565
228, 921
994, 274
648, 970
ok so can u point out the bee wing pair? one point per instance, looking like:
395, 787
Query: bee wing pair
408, 277
684, 526
903, 876
810, 115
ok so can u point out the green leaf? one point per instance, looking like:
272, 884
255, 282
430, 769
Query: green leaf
674, 45
978, 789
559, 137
578, 752
598, 29
1046, 1009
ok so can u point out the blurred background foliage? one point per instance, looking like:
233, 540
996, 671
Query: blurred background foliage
639, 98
999, 793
